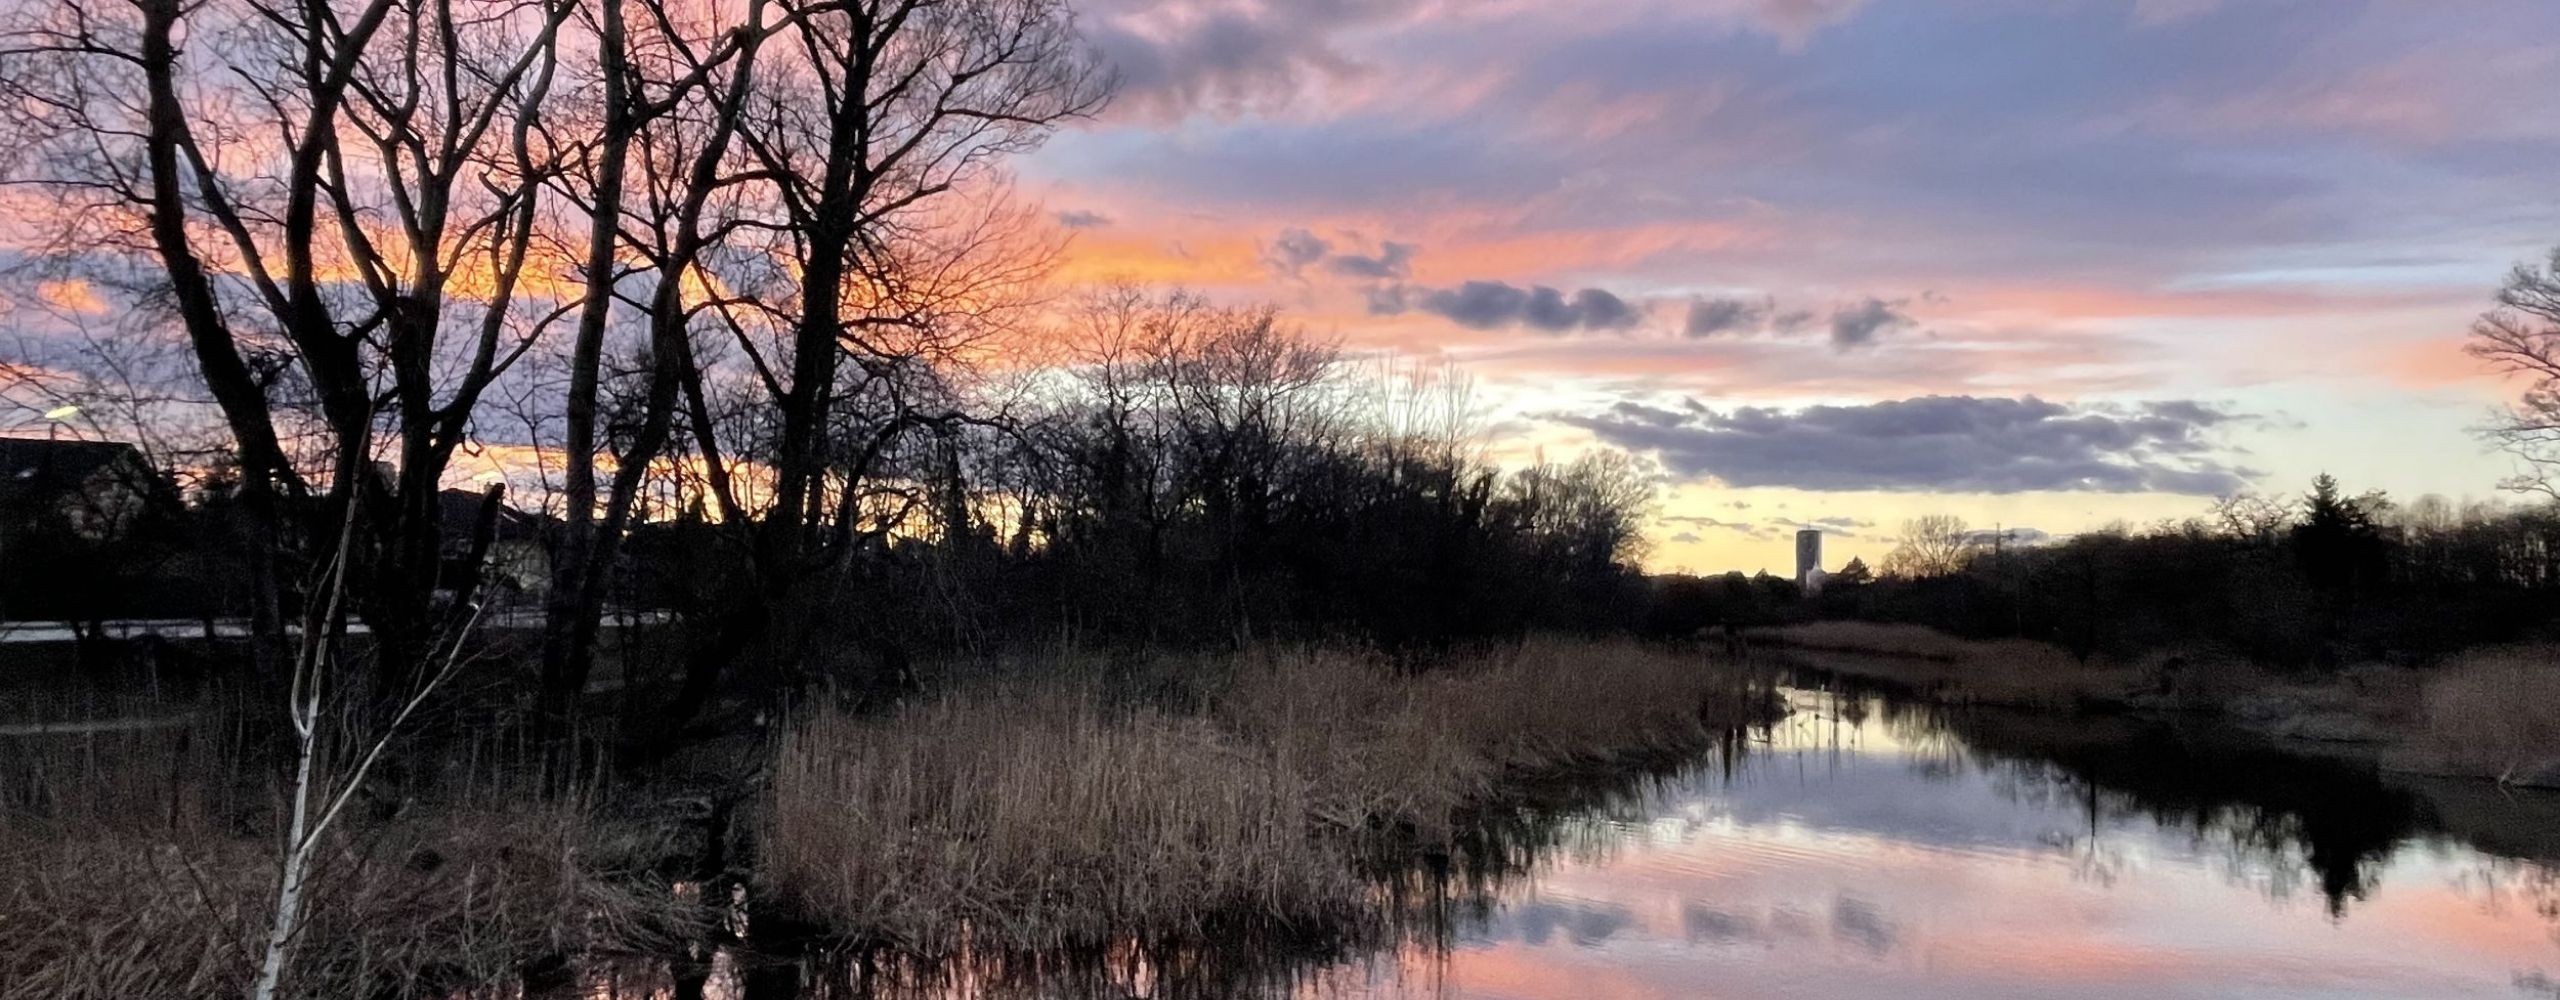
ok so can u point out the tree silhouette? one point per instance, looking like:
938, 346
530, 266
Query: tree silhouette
1932, 545
1851, 575
2521, 336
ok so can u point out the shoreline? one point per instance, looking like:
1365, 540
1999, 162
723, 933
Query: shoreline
2376, 715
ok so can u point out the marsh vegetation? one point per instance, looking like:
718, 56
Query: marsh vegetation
1023, 804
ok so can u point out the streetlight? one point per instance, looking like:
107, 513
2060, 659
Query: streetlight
56, 417
53, 420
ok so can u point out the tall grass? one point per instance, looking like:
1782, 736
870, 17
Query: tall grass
2020, 672
1033, 814
457, 901
2491, 711
1038, 813
143, 863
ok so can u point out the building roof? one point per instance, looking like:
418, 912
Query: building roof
36, 467
458, 510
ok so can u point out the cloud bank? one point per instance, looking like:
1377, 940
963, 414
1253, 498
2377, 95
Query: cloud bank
1494, 305
1962, 444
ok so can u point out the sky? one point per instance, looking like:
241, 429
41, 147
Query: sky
2041, 264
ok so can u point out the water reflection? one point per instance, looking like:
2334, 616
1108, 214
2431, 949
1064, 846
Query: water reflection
1868, 848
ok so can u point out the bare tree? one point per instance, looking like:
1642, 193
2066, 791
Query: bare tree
1932, 545
654, 181
870, 257
2253, 518
341, 202
316, 798
2522, 337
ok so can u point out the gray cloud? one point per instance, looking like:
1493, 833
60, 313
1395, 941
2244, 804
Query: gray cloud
1937, 443
1174, 57
1744, 528
1648, 413
1494, 305
1852, 326
1082, 219
2016, 537
1708, 317
1845, 527
2164, 140
1858, 325
1392, 262
1293, 251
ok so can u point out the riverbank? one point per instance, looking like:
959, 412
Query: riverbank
2490, 714
1052, 803
1041, 803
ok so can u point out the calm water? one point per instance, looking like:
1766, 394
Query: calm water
1861, 849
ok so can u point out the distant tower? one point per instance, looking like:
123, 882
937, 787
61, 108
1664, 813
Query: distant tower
1809, 560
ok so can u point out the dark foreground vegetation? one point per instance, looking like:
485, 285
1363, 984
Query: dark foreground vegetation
1050, 803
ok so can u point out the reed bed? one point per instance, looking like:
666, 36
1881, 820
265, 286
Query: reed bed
1035, 815
458, 902
2020, 672
143, 863
2489, 712
1056, 810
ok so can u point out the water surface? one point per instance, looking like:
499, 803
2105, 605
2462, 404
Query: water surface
1867, 849
1868, 852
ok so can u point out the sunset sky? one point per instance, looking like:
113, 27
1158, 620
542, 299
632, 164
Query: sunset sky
2038, 263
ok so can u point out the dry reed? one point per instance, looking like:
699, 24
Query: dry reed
1038, 813
142, 863
2490, 712
458, 901
2019, 672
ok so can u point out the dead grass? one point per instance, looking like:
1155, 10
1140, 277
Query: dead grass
1033, 815
2019, 672
142, 863
459, 901
1045, 812
2491, 712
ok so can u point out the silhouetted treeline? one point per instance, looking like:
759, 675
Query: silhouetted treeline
1201, 475
1186, 475
2324, 581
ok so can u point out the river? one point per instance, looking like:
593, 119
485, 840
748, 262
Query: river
1868, 848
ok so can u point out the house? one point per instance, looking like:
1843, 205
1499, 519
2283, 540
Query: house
97, 491
519, 557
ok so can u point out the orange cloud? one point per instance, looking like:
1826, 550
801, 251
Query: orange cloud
1180, 256
2427, 364
71, 295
